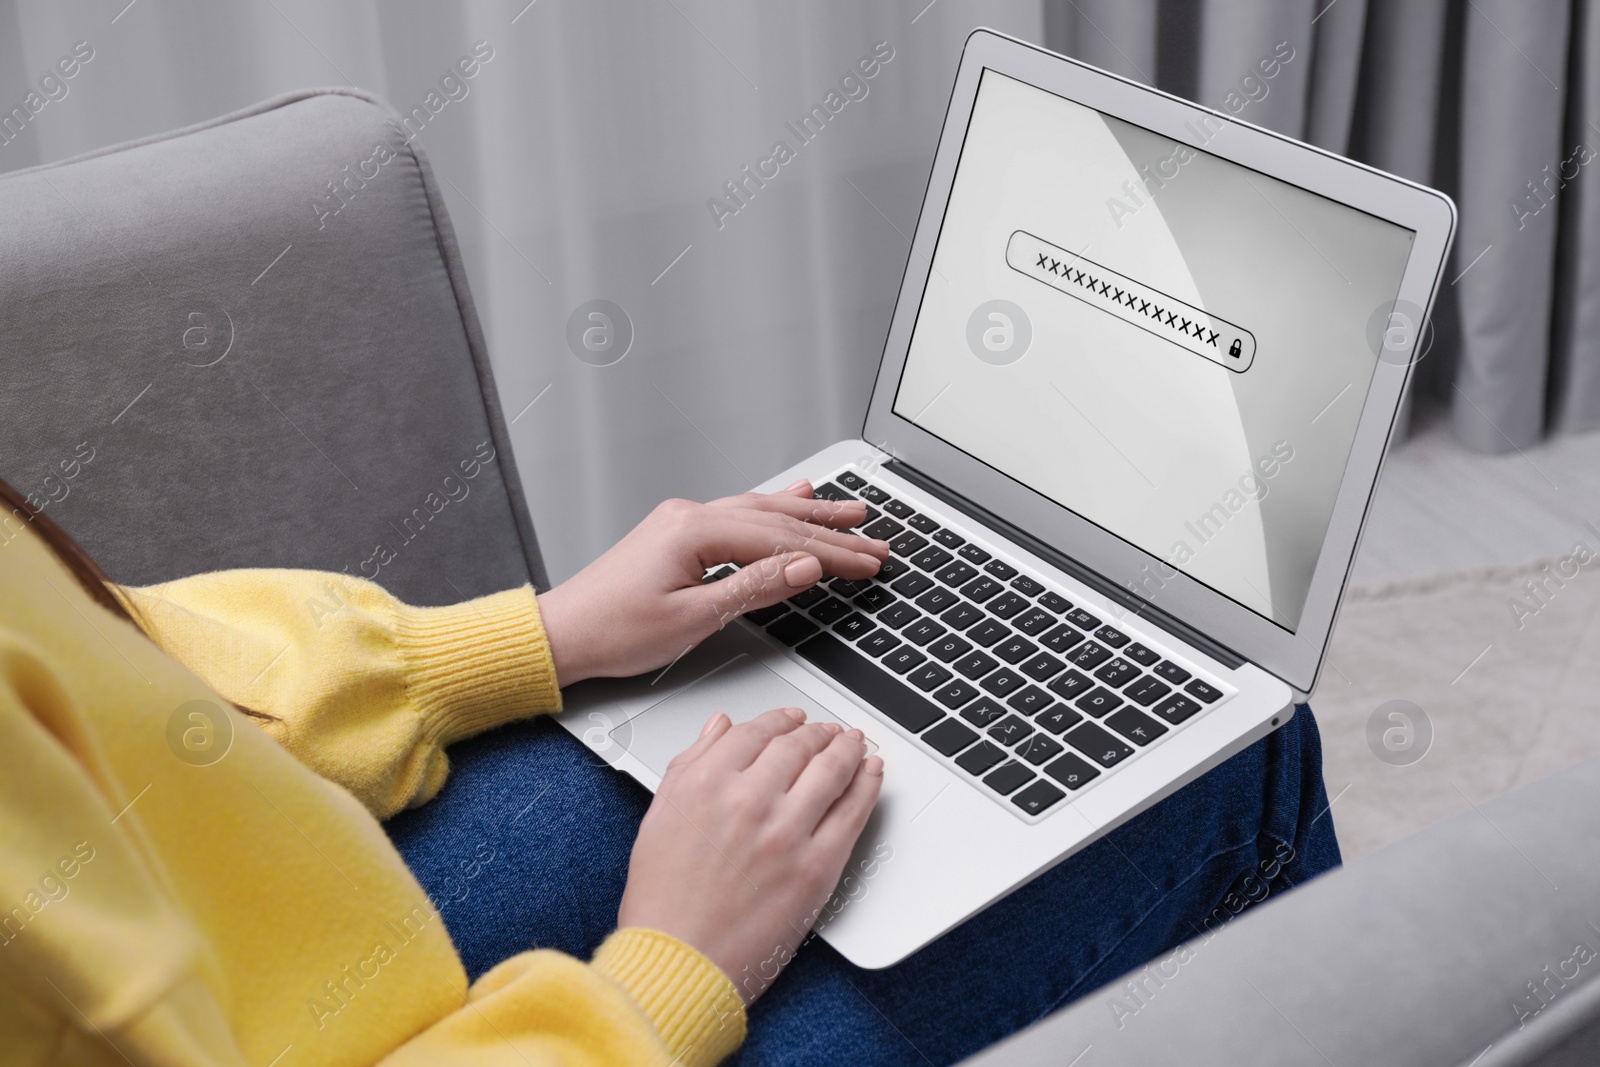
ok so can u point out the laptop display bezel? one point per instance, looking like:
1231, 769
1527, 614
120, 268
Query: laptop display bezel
1294, 656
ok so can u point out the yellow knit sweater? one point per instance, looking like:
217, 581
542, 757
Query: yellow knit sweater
170, 895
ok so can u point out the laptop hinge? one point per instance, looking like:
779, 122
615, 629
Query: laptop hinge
1111, 590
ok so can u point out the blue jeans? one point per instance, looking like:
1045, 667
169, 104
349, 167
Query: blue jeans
528, 844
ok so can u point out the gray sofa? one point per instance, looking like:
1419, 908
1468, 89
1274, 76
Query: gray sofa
251, 343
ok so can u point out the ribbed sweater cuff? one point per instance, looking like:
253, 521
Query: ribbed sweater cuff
476, 665
694, 1006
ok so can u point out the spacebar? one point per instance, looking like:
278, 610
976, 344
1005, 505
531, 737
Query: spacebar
870, 682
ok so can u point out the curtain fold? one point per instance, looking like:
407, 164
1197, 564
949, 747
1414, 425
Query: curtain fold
1495, 102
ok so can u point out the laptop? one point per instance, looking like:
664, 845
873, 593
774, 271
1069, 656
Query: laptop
1139, 381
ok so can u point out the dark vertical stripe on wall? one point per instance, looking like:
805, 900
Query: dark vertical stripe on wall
1178, 47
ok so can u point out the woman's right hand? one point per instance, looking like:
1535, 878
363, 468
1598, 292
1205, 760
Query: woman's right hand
747, 837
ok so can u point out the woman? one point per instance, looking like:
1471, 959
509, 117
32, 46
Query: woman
191, 777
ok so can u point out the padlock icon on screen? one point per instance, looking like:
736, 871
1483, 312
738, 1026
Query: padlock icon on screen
1234, 349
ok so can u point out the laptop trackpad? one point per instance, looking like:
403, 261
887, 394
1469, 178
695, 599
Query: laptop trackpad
741, 688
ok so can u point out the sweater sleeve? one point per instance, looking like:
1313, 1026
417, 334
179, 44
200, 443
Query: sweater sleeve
365, 690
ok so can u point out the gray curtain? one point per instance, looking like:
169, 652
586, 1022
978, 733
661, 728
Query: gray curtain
1497, 102
579, 165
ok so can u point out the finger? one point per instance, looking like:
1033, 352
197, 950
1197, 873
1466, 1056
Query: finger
766, 583
826, 777
842, 825
781, 762
801, 534
714, 728
799, 504
746, 537
737, 748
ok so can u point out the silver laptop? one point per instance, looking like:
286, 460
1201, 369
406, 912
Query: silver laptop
1138, 385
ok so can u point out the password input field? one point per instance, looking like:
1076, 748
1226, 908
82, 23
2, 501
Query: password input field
1136, 303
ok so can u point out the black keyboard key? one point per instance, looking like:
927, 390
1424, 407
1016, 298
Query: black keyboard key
874, 598
807, 597
957, 573
1056, 603
907, 544
1008, 778
961, 616
1029, 700
928, 677
1118, 673
891, 568
931, 558
1010, 730
898, 614
981, 589
1144, 657
1027, 586
1090, 655
1034, 620
936, 599
1205, 692
1082, 619
852, 480
1072, 685
829, 491
950, 737
974, 554
878, 643
1002, 681
849, 587
955, 694
874, 494
1015, 649
873, 515
867, 680
830, 611
852, 626
1039, 749
987, 633
898, 508
1006, 605
921, 523
792, 629
718, 574
1112, 636
1071, 771
1038, 797
1176, 708
903, 659
1147, 691
1003, 571
980, 757
1042, 667
983, 711
885, 529
949, 539
948, 647
1057, 718
912, 583
1061, 639
762, 616
1135, 725
922, 631
1100, 746
976, 665
1098, 701
1172, 672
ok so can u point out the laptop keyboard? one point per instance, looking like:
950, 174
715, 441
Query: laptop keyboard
1030, 695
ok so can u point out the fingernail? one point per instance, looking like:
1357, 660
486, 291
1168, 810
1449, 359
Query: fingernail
857, 735
797, 485
874, 765
710, 723
831, 727
874, 560
802, 572
796, 714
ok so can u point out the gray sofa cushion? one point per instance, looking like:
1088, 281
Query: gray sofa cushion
1430, 952
250, 343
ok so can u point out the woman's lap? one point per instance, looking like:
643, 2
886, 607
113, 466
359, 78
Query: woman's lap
528, 845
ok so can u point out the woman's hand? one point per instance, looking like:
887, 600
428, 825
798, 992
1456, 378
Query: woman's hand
747, 837
642, 604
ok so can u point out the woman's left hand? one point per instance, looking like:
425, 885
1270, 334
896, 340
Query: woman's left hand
642, 604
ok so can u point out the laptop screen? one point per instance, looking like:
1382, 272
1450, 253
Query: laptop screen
1173, 346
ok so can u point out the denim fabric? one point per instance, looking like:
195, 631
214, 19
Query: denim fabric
528, 845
